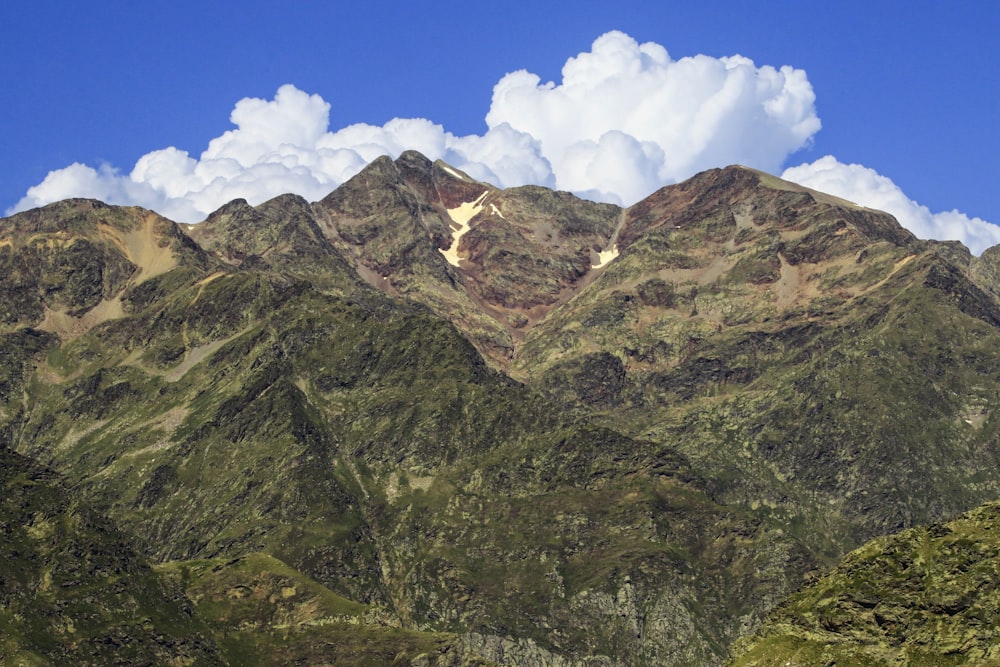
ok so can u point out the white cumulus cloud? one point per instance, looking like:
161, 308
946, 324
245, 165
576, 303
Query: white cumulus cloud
284, 145
624, 120
867, 187
625, 104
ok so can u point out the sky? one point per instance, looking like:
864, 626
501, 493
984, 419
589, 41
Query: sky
183, 106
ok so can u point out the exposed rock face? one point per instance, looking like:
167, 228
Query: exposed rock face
282, 234
439, 423
74, 258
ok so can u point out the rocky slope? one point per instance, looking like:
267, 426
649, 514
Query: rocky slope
426, 421
816, 359
925, 596
74, 591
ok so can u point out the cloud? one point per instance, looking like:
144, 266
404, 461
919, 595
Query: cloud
624, 120
283, 145
667, 119
867, 187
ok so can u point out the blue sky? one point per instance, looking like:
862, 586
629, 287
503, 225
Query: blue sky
906, 89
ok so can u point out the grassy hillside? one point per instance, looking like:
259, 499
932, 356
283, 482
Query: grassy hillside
925, 596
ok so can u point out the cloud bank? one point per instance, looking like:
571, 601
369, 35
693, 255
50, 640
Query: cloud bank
624, 120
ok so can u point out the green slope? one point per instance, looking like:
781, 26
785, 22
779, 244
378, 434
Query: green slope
73, 589
366, 444
925, 596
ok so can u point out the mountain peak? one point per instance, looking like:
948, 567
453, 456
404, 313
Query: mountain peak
283, 233
756, 200
70, 262
414, 159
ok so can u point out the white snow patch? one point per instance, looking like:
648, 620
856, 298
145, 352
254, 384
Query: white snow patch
461, 215
497, 211
453, 172
605, 256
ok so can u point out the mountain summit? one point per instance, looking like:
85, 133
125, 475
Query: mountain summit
427, 421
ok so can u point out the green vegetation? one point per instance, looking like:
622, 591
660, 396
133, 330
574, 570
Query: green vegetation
74, 590
926, 596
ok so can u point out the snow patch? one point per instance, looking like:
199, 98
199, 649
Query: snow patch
497, 211
605, 256
453, 172
461, 215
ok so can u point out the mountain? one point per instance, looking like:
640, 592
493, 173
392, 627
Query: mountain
528, 250
428, 421
812, 356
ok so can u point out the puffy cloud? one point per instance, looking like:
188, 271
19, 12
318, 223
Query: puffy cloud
503, 156
667, 119
867, 187
617, 167
624, 120
274, 149
283, 145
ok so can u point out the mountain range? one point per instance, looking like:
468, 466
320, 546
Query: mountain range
426, 421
